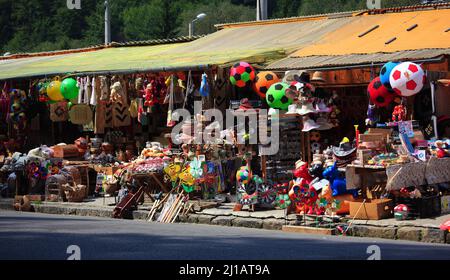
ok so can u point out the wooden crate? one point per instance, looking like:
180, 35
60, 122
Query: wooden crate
66, 151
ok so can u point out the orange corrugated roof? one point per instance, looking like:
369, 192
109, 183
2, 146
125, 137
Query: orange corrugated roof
432, 31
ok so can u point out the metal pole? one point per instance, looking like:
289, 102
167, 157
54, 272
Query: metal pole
191, 29
261, 10
107, 23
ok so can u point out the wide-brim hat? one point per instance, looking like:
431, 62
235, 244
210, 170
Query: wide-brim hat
318, 78
306, 109
245, 104
309, 125
321, 107
324, 124
344, 150
296, 75
292, 109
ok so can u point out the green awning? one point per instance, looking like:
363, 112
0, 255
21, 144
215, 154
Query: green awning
255, 43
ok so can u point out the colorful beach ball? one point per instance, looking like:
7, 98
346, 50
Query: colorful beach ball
385, 73
242, 74
379, 94
407, 79
243, 175
276, 96
263, 81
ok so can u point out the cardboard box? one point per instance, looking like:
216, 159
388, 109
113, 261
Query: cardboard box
445, 204
66, 151
375, 209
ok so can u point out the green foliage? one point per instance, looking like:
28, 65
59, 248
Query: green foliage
37, 25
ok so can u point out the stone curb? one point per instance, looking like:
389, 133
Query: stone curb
410, 233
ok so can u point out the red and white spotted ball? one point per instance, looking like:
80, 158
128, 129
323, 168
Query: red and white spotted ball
407, 79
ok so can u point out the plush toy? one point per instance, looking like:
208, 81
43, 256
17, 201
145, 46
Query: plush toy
242, 74
302, 172
263, 81
150, 94
399, 113
17, 110
441, 152
407, 79
104, 92
401, 212
117, 93
338, 184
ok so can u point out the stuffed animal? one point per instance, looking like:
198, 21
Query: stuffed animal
303, 172
104, 92
117, 93
149, 94
441, 152
338, 184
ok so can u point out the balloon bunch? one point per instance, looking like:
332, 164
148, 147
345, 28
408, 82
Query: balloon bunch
58, 91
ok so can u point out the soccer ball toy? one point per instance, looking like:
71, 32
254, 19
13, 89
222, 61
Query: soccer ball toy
243, 175
385, 74
407, 79
379, 94
276, 96
263, 81
401, 212
241, 74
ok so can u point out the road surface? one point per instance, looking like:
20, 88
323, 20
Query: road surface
33, 236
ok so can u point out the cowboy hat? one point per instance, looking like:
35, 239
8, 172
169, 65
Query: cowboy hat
318, 78
296, 75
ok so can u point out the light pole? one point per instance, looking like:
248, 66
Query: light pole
191, 24
107, 23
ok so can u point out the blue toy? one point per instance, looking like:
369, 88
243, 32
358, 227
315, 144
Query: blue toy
385, 74
337, 182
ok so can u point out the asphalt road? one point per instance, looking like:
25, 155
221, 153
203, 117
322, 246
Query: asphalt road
32, 236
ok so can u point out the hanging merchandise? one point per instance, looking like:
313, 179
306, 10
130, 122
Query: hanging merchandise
142, 114
204, 86
80, 114
54, 91
242, 74
4, 103
385, 74
117, 93
263, 81
95, 90
17, 109
379, 94
59, 112
104, 89
399, 113
134, 106
407, 79
69, 88
42, 89
276, 96
170, 122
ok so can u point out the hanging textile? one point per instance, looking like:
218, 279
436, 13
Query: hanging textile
170, 122
95, 89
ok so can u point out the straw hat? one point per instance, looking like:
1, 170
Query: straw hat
318, 78
299, 164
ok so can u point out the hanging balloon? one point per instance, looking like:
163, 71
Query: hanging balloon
69, 88
276, 96
242, 74
379, 94
54, 91
385, 73
407, 79
263, 81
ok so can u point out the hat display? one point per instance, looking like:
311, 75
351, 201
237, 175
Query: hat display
307, 108
345, 153
324, 124
318, 78
309, 125
296, 75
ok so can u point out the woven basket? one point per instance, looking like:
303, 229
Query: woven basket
75, 193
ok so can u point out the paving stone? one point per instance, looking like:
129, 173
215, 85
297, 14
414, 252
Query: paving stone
247, 222
205, 219
223, 221
193, 219
140, 215
244, 214
432, 235
273, 224
371, 231
409, 233
217, 212
183, 218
